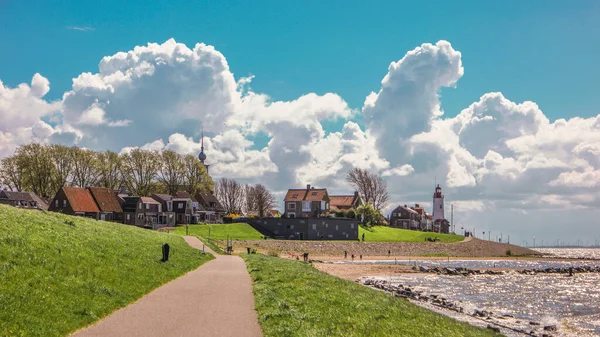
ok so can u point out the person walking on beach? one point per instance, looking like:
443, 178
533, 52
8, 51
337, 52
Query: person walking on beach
353, 257
361, 257
345, 254
389, 252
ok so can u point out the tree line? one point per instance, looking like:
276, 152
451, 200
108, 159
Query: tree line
238, 198
45, 168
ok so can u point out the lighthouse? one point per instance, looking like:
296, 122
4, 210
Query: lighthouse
438, 204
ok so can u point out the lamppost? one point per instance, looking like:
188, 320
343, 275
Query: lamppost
534, 242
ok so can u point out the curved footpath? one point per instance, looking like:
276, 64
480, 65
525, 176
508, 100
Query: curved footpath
214, 300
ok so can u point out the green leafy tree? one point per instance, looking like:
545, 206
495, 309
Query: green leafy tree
369, 215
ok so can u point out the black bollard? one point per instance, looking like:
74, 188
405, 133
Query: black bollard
165, 252
248, 249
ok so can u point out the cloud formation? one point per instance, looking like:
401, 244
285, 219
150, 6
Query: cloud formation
493, 156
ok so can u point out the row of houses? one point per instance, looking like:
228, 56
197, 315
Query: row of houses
313, 202
155, 211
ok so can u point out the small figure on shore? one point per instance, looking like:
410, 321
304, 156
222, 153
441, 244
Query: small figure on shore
363, 237
305, 255
389, 253
345, 254
361, 257
352, 257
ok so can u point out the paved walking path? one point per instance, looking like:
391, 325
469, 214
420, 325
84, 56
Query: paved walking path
214, 300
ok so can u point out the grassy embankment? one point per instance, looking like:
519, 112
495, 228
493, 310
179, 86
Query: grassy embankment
294, 299
388, 234
220, 232
59, 273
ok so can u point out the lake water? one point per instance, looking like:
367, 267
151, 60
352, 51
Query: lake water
571, 303
482, 264
572, 253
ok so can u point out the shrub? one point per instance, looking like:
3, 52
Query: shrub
274, 252
508, 252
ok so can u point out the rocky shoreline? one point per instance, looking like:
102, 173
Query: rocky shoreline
503, 323
467, 272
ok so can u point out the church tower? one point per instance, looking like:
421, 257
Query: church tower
202, 156
438, 204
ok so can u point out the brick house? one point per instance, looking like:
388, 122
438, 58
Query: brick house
108, 204
344, 202
166, 201
27, 200
304, 203
405, 218
75, 201
143, 212
212, 211
184, 210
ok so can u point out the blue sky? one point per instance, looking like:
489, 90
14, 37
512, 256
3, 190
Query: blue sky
542, 51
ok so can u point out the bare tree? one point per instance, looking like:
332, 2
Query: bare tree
250, 201
171, 173
110, 167
139, 171
371, 187
230, 194
262, 199
63, 165
86, 168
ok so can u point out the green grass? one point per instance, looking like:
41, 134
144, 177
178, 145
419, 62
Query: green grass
294, 299
236, 231
388, 234
56, 277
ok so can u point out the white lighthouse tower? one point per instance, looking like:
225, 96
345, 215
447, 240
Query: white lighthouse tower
438, 204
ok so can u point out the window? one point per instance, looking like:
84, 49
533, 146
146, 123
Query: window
294, 196
180, 205
140, 216
292, 205
147, 206
305, 206
65, 203
323, 205
336, 227
159, 208
314, 193
314, 227
140, 205
393, 214
169, 206
441, 206
352, 226
128, 217
55, 203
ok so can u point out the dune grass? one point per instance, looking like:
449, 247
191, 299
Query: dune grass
59, 273
235, 231
294, 299
389, 234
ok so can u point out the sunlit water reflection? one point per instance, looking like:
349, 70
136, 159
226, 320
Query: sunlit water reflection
572, 253
572, 303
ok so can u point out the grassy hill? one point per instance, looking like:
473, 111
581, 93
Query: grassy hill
294, 299
236, 231
388, 234
59, 273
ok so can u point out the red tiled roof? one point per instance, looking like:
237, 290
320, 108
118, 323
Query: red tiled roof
295, 195
106, 199
81, 200
341, 200
316, 194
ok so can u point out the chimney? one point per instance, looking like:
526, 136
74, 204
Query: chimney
308, 186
